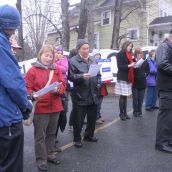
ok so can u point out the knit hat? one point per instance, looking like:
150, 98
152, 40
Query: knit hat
59, 49
80, 43
9, 17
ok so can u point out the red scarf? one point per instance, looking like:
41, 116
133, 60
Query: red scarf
131, 70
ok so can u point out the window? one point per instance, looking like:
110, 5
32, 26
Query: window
106, 17
133, 34
164, 8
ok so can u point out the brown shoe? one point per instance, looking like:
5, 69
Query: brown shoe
42, 167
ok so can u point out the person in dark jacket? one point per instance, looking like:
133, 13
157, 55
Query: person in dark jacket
72, 53
139, 85
14, 104
164, 84
85, 93
125, 77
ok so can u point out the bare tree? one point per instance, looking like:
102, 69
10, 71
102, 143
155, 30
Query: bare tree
21, 55
39, 16
90, 29
83, 19
117, 21
118, 18
65, 24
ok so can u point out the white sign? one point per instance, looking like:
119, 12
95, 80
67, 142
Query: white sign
106, 69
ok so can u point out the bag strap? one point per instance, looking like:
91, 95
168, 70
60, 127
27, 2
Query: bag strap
50, 78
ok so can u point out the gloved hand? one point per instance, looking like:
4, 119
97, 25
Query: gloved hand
28, 110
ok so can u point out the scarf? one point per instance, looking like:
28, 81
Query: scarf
40, 65
131, 70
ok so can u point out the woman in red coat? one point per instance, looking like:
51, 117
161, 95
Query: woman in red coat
48, 107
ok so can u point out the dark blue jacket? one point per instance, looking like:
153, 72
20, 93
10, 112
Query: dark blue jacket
13, 94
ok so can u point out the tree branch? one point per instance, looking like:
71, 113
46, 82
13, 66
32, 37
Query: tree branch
123, 18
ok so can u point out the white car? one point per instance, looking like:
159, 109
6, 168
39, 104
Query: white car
146, 51
26, 65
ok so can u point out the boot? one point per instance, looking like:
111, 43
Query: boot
126, 116
122, 117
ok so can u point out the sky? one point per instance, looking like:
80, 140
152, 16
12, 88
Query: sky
13, 2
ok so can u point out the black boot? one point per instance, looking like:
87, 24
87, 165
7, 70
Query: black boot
126, 116
122, 117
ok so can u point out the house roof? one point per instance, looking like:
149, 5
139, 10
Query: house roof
161, 20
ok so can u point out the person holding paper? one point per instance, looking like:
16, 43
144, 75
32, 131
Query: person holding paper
85, 93
48, 107
125, 77
139, 84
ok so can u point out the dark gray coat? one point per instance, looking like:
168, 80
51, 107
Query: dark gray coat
164, 65
85, 92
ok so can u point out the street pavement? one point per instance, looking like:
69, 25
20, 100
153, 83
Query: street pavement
124, 146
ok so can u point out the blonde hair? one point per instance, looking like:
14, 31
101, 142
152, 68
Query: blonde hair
45, 48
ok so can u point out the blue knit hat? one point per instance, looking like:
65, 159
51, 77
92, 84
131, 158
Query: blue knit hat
9, 17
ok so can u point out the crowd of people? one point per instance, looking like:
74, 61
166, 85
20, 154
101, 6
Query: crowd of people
17, 94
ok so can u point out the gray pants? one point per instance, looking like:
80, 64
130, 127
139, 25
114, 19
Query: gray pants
164, 121
45, 126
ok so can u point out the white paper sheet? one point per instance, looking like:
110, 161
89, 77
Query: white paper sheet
46, 89
94, 69
139, 63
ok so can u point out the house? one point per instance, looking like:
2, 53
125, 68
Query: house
145, 25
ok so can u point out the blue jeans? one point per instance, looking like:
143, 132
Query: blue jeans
138, 97
100, 100
151, 97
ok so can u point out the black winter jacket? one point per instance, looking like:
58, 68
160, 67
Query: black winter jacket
85, 92
164, 65
140, 76
122, 63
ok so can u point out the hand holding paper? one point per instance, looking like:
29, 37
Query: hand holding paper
86, 76
37, 96
94, 69
46, 89
139, 63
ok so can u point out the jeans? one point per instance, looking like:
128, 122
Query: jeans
151, 97
11, 148
138, 97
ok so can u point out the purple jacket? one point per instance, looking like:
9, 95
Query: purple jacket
62, 64
151, 77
